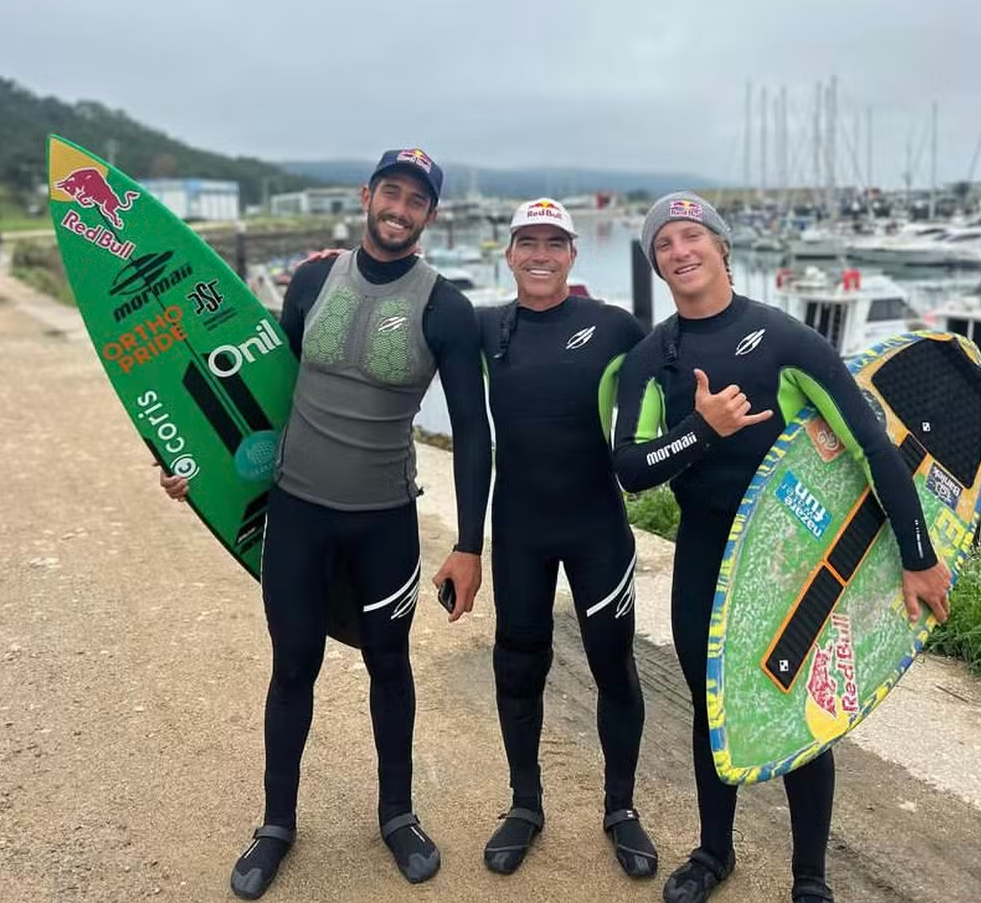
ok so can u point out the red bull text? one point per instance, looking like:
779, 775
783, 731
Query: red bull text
689, 209
545, 211
835, 660
100, 236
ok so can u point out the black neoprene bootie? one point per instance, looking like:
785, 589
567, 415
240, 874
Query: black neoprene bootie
634, 848
509, 844
258, 865
698, 877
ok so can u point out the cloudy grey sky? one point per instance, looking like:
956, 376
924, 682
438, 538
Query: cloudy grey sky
621, 84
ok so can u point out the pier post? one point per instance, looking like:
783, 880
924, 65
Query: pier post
241, 255
643, 285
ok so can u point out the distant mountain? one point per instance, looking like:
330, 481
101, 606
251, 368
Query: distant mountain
513, 183
26, 120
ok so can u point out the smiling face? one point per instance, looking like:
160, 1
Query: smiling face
691, 258
540, 257
399, 207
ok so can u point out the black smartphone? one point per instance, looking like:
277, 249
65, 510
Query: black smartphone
447, 595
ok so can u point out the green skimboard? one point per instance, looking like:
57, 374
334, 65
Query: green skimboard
809, 632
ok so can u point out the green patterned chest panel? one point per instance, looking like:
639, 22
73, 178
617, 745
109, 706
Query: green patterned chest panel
387, 350
324, 339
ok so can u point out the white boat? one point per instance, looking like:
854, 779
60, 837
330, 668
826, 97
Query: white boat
964, 247
960, 314
817, 244
921, 245
742, 236
889, 248
768, 243
851, 309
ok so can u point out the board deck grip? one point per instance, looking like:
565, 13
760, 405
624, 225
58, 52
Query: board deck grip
788, 654
791, 646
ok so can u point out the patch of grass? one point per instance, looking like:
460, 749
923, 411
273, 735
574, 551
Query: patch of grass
655, 511
38, 263
46, 282
960, 637
16, 223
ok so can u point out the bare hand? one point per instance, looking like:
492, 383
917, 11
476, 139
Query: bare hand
727, 411
325, 254
175, 487
930, 586
463, 568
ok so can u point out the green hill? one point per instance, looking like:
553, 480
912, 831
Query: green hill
26, 120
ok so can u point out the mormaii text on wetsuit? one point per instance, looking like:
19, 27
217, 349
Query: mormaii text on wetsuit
671, 449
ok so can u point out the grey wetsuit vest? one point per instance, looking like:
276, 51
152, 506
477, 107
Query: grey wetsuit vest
364, 370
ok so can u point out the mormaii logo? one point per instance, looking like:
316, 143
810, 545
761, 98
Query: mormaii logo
671, 449
750, 342
580, 338
392, 324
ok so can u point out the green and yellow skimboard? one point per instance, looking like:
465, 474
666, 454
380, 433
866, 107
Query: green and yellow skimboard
809, 632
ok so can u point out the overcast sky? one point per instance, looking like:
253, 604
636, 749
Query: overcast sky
620, 84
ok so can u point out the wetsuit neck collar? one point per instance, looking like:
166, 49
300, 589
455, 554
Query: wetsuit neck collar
378, 272
556, 310
707, 324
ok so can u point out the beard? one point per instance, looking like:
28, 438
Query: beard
393, 246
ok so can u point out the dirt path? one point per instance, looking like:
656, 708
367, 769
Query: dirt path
133, 665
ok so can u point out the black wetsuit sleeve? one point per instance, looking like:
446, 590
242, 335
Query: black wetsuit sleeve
301, 293
452, 334
819, 374
645, 452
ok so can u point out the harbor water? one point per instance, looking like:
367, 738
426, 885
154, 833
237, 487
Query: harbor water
603, 264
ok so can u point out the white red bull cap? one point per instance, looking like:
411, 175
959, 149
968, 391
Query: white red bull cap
543, 212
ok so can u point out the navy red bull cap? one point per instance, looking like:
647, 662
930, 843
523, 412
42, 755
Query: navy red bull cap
414, 161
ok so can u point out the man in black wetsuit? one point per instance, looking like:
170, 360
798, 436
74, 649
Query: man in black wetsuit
551, 362
701, 400
370, 327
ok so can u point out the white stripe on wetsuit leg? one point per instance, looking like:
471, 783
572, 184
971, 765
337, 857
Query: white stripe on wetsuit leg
628, 575
388, 600
407, 602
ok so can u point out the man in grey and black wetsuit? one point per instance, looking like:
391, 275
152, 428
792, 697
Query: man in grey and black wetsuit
371, 328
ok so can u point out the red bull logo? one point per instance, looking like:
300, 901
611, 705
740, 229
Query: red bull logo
545, 210
685, 209
821, 686
833, 669
100, 236
417, 157
89, 188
